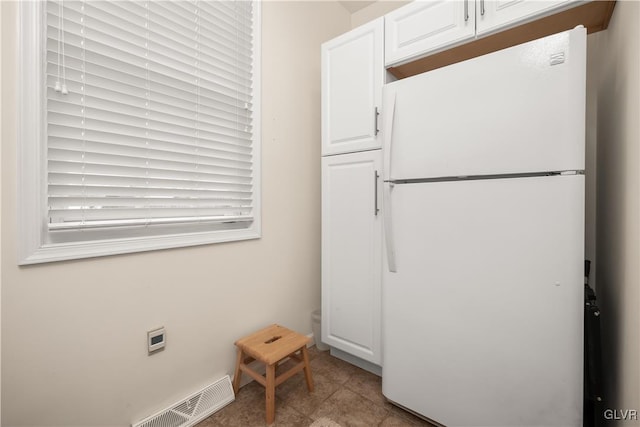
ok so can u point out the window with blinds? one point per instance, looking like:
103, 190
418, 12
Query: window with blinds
138, 125
149, 114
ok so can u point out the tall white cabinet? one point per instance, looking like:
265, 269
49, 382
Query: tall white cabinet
351, 253
352, 79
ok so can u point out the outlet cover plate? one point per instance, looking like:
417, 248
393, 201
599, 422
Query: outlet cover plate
156, 340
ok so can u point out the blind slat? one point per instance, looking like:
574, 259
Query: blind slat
142, 183
69, 190
193, 155
125, 171
138, 129
84, 162
228, 151
72, 225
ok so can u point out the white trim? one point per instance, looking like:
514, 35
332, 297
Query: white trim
79, 250
257, 117
356, 361
30, 138
31, 186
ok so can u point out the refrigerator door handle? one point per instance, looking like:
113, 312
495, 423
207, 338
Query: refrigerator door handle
388, 229
389, 111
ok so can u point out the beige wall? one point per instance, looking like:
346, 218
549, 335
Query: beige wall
374, 11
74, 351
618, 201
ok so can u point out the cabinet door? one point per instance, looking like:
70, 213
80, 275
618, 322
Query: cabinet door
424, 27
352, 79
351, 253
496, 15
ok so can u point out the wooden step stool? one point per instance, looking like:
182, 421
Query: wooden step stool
269, 346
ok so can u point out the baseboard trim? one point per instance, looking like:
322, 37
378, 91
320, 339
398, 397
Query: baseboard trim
366, 365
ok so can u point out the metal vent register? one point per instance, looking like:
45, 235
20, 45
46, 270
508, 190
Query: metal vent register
194, 408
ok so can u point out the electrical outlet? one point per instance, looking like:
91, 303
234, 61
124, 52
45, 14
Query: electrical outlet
156, 340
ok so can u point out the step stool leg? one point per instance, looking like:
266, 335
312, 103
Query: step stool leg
238, 372
270, 392
307, 369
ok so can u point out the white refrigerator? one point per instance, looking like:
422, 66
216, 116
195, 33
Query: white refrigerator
484, 234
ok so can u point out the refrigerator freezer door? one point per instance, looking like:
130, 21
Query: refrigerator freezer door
483, 318
518, 110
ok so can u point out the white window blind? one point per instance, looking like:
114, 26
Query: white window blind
149, 113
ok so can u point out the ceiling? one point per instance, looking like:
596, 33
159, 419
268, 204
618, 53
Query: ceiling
354, 6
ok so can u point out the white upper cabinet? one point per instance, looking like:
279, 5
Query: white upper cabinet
496, 15
424, 27
352, 79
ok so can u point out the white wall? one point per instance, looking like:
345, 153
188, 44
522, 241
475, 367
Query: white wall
73, 333
618, 206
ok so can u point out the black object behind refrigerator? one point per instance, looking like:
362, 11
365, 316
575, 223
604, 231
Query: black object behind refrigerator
593, 402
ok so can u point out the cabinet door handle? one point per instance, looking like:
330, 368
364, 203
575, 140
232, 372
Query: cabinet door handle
376, 113
375, 193
466, 10
482, 7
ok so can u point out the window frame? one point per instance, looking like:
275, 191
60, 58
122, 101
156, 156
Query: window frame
33, 233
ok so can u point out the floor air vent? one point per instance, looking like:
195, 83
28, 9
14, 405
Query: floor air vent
194, 408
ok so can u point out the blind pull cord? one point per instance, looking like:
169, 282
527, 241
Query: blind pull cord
61, 88
64, 67
57, 87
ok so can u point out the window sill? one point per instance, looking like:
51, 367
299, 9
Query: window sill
79, 250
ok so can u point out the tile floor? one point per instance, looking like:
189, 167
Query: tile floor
344, 393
